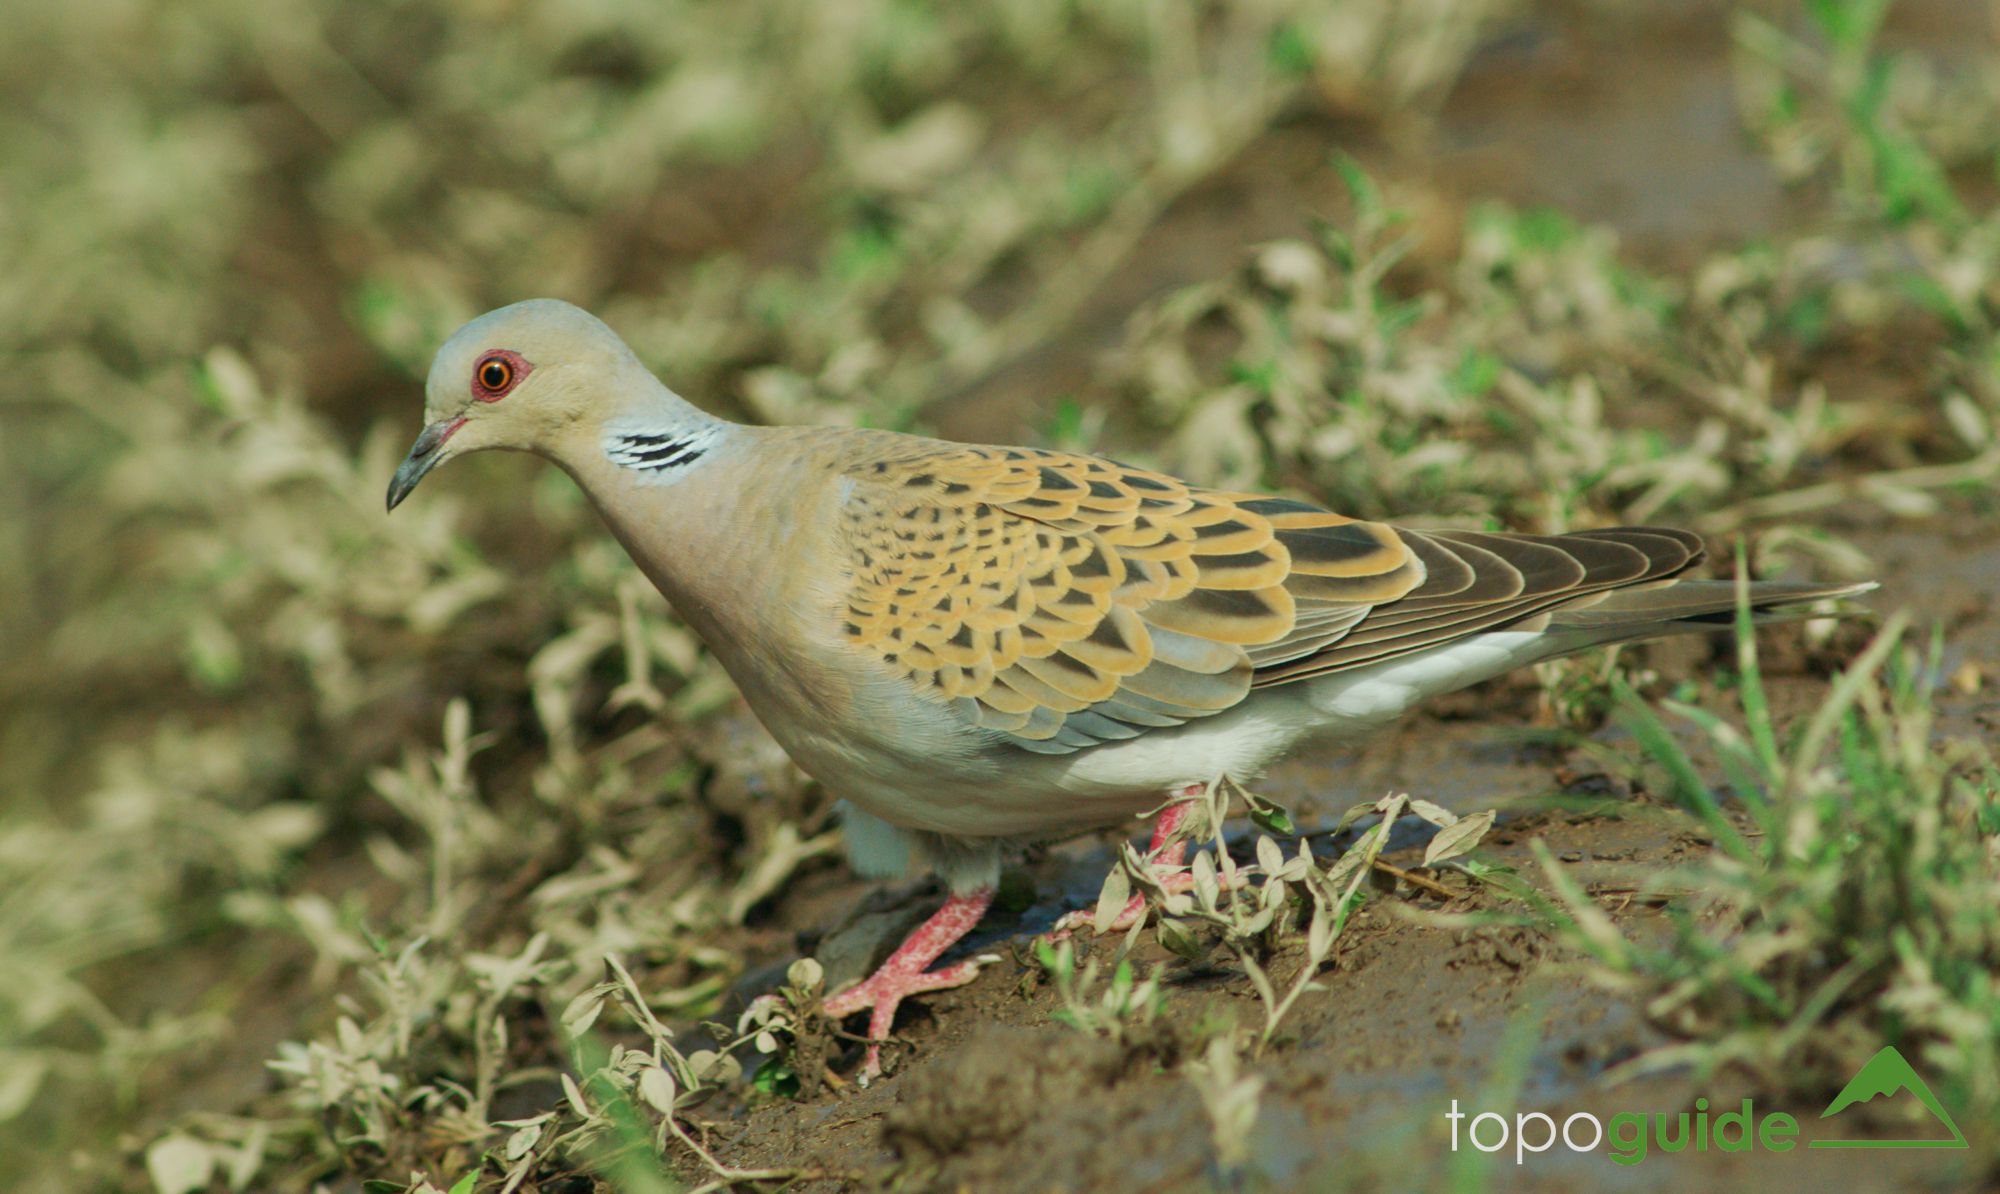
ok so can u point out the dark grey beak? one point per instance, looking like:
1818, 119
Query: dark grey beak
423, 457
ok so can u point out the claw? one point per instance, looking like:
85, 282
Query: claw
904, 975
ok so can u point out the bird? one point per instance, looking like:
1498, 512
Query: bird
978, 647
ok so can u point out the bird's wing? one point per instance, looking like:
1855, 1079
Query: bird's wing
1063, 600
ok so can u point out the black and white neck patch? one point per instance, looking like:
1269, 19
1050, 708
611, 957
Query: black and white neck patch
657, 452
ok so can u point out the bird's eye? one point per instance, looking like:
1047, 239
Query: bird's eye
498, 372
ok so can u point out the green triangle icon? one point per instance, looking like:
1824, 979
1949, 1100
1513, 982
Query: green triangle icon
1887, 1073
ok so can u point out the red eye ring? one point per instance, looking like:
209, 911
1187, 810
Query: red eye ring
497, 373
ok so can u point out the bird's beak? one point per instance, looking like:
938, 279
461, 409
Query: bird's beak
424, 456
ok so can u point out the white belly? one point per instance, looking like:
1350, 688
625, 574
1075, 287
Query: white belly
1004, 792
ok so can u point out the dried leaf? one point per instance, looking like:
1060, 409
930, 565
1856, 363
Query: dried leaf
1456, 839
805, 975
1301, 864
521, 1142
1269, 856
1176, 938
1140, 873
657, 1087
247, 1158
1319, 937
582, 1012
575, 1097
1436, 814
1111, 901
179, 1164
1206, 889
21, 1076
1355, 813
1345, 865
709, 1066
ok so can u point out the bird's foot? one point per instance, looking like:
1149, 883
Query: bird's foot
1166, 856
1170, 877
904, 974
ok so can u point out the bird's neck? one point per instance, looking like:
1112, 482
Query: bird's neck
676, 490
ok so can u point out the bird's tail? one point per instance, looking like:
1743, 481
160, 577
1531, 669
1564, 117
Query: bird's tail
1694, 606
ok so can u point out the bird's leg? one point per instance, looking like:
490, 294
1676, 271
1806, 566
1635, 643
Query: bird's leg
1164, 853
904, 974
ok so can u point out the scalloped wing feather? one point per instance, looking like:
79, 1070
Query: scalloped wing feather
1061, 601
1064, 600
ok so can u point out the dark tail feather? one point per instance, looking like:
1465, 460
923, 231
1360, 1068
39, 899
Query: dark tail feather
1691, 606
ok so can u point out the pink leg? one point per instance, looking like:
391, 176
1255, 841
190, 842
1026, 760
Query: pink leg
904, 974
1166, 858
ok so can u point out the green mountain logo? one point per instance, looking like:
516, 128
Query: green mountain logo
1888, 1074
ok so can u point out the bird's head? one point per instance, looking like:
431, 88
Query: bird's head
523, 377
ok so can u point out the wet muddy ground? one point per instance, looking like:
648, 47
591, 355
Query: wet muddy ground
1631, 127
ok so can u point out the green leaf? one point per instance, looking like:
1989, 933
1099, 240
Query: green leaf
1693, 791
1756, 710
1477, 373
1504, 879
1849, 25
1360, 187
1290, 53
777, 1080
1269, 816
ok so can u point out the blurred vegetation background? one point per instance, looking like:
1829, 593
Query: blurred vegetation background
1360, 249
